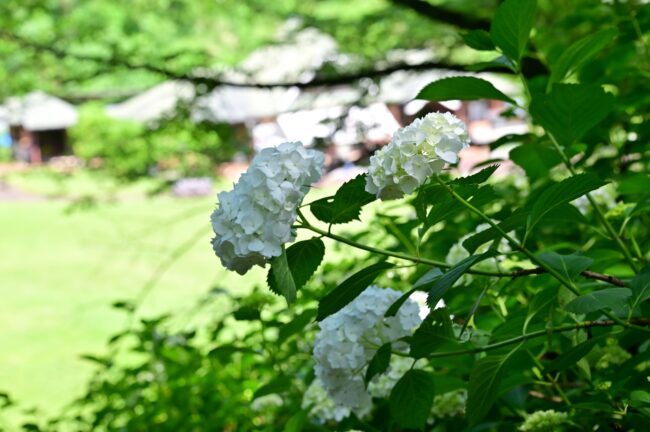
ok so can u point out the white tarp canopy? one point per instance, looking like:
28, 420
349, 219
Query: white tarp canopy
39, 111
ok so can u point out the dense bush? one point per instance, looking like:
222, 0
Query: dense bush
129, 150
543, 273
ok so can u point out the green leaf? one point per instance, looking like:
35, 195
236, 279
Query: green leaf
580, 52
345, 206
570, 110
572, 356
639, 398
536, 158
541, 302
297, 422
280, 279
608, 298
349, 289
411, 399
297, 324
246, 313
421, 284
302, 259
434, 334
569, 266
279, 384
379, 362
515, 220
511, 26
479, 40
450, 206
560, 193
640, 286
478, 178
634, 184
462, 88
484, 381
443, 283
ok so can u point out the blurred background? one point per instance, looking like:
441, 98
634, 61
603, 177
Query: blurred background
120, 120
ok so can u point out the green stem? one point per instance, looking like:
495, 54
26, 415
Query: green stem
415, 259
514, 243
599, 213
527, 336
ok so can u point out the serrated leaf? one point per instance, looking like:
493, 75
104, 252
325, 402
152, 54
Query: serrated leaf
345, 206
443, 283
560, 193
570, 110
477, 178
280, 279
421, 284
303, 259
608, 298
349, 289
296, 325
569, 266
484, 381
279, 384
511, 26
379, 363
435, 333
411, 399
580, 52
479, 40
462, 88
640, 286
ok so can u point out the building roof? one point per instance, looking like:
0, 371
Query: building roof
154, 103
39, 111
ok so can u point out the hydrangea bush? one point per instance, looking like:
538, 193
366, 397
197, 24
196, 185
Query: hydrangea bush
486, 302
536, 288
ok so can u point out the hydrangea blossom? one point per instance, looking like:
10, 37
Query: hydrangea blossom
320, 406
254, 220
543, 421
450, 404
348, 340
415, 153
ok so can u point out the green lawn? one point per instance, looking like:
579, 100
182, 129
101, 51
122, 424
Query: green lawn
60, 271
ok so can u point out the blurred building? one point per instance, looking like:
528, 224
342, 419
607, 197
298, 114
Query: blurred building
347, 121
38, 125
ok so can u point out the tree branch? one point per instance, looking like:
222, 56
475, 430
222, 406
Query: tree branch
443, 15
587, 273
215, 81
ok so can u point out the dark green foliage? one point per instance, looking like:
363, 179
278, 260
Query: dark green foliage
463, 88
411, 399
345, 205
349, 289
291, 271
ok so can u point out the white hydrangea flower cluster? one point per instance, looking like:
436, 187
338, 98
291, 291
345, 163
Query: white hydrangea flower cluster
348, 340
450, 404
320, 406
543, 421
414, 154
267, 402
254, 220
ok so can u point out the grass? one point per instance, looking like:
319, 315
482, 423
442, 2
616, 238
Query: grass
61, 270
